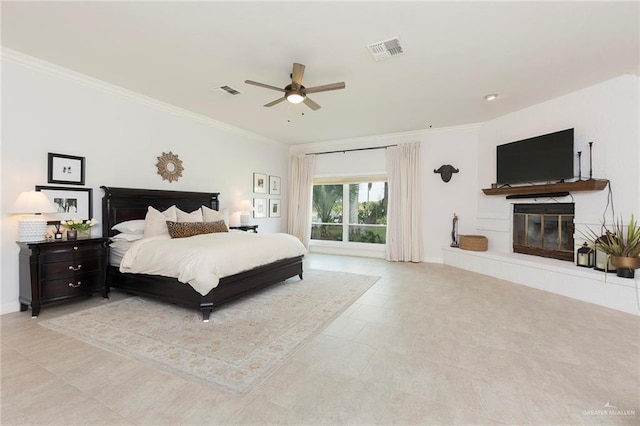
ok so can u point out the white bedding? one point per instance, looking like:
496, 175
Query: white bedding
117, 250
202, 260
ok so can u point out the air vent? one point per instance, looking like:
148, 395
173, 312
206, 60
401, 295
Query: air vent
229, 90
385, 49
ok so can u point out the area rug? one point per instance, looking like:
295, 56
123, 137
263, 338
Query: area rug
242, 344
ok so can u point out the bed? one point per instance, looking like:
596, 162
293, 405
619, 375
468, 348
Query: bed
123, 204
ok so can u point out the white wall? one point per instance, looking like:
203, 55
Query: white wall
49, 109
606, 114
456, 146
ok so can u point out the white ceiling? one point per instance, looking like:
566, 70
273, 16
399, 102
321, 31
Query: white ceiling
455, 53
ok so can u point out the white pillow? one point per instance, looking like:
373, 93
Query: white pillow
194, 216
130, 227
210, 215
127, 237
155, 222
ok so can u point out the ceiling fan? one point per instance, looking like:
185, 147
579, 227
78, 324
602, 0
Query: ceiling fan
296, 92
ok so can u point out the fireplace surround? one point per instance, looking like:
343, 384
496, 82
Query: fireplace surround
544, 230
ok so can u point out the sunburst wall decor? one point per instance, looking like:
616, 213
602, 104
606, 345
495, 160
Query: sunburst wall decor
169, 166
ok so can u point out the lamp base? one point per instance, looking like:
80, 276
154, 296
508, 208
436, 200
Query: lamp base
31, 229
244, 218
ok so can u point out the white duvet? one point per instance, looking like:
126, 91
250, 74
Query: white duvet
202, 260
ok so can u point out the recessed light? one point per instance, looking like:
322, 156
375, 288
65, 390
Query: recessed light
490, 97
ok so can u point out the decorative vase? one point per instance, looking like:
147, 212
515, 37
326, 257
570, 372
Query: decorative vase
625, 265
72, 234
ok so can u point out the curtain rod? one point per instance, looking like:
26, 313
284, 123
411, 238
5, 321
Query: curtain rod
349, 150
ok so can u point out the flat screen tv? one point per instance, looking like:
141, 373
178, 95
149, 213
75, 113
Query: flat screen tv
546, 158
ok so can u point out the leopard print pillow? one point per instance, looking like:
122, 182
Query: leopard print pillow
189, 229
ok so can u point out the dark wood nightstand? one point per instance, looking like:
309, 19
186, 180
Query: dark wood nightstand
51, 271
246, 228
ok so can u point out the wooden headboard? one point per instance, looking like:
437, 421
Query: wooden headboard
120, 204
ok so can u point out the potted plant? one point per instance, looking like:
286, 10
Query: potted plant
623, 247
75, 225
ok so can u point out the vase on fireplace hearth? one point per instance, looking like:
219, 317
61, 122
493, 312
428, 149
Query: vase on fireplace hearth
625, 266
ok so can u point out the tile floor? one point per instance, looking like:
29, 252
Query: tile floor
427, 344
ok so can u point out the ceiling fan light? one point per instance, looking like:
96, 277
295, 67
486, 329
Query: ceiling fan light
295, 98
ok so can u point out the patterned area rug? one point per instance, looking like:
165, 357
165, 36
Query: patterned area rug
242, 344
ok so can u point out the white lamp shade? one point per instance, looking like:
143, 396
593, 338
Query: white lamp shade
245, 209
31, 227
246, 206
33, 202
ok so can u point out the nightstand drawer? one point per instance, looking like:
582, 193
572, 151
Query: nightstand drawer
71, 252
72, 286
71, 267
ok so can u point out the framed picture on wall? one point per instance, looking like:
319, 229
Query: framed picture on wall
259, 208
274, 207
72, 203
65, 169
274, 185
259, 183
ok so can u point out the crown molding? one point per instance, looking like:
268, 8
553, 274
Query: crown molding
65, 73
375, 140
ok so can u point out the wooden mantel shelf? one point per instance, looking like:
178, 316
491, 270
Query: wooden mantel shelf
582, 185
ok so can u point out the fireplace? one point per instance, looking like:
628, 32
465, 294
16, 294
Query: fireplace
544, 230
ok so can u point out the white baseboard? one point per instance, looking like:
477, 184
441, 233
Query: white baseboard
368, 251
8, 308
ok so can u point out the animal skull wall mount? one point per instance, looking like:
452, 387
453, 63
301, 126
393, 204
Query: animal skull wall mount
446, 170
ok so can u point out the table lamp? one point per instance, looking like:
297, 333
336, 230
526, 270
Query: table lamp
32, 226
245, 212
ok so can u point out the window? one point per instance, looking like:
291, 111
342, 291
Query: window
359, 217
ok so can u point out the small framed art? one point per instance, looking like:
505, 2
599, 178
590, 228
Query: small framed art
72, 203
259, 183
259, 208
66, 169
274, 207
274, 185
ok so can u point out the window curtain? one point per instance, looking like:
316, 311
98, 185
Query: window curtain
404, 214
300, 193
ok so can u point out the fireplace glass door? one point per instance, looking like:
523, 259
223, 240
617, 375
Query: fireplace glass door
544, 230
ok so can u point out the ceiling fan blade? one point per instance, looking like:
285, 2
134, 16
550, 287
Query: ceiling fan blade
296, 76
266, 86
325, 87
314, 106
276, 102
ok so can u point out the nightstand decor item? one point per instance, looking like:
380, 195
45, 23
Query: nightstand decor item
32, 226
585, 256
169, 166
66, 169
245, 212
58, 234
77, 225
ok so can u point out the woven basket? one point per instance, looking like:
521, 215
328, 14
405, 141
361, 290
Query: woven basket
473, 242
